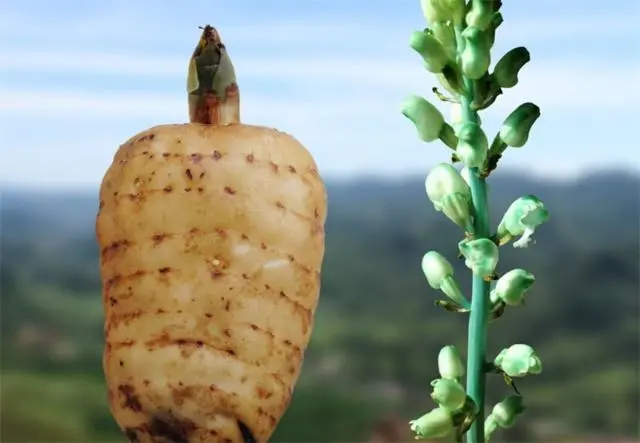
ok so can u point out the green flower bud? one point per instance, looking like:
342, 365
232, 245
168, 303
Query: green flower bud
480, 15
476, 55
426, 117
490, 426
444, 32
431, 50
449, 363
449, 394
439, 273
472, 145
481, 256
511, 287
506, 70
450, 194
518, 361
517, 126
443, 10
455, 117
521, 219
505, 413
434, 424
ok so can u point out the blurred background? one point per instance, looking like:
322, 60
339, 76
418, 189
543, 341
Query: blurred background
79, 78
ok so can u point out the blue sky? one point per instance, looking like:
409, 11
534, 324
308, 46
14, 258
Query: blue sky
77, 78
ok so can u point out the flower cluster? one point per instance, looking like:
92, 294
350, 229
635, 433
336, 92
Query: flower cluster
456, 47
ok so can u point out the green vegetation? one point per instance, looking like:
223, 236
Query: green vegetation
377, 331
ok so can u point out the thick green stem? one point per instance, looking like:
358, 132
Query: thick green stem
477, 336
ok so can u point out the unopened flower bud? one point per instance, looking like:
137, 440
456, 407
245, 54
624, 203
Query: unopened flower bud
444, 32
490, 426
456, 118
505, 413
426, 117
481, 256
434, 424
506, 70
521, 219
449, 194
449, 394
431, 50
449, 363
480, 15
518, 361
439, 273
472, 145
512, 286
443, 10
517, 126
476, 55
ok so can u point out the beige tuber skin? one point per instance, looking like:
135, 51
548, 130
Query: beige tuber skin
212, 239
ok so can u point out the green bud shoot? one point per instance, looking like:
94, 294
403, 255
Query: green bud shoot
518, 361
439, 274
480, 15
506, 412
517, 126
507, 69
443, 10
431, 50
445, 34
481, 256
450, 194
434, 424
512, 286
476, 56
449, 363
449, 394
472, 145
426, 117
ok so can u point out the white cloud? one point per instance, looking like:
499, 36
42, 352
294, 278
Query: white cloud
339, 86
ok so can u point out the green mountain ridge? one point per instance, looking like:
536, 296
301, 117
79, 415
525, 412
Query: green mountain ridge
377, 332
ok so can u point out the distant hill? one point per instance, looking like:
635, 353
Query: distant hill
377, 330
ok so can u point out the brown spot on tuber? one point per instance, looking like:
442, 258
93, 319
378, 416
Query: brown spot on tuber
130, 399
168, 189
196, 158
229, 190
158, 238
166, 427
189, 174
279, 205
250, 158
164, 270
292, 169
216, 155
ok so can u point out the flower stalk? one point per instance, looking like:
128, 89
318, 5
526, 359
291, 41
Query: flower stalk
457, 49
